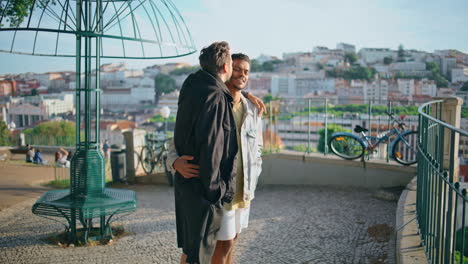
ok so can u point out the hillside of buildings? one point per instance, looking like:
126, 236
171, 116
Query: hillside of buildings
342, 76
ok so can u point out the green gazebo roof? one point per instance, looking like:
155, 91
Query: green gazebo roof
139, 29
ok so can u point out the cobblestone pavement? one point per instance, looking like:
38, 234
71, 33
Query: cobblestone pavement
288, 224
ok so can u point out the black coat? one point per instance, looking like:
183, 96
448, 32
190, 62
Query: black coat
204, 129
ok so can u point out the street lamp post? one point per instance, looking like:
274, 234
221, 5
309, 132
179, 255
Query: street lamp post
165, 112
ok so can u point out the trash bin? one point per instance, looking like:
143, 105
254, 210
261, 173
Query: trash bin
118, 166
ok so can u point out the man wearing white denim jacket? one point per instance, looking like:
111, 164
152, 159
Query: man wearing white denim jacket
250, 141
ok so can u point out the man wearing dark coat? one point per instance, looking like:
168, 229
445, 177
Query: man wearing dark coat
205, 129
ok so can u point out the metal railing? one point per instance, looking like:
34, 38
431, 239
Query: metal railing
441, 200
305, 124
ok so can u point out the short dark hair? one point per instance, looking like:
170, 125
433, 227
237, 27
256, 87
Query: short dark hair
240, 56
213, 57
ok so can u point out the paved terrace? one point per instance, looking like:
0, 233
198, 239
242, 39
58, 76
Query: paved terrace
288, 224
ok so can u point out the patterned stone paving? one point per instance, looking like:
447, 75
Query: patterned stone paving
288, 224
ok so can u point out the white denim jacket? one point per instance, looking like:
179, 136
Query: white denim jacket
252, 143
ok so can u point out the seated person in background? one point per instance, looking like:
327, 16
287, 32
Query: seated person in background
61, 158
29, 154
70, 155
38, 158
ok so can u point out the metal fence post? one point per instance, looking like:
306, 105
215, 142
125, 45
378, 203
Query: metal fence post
271, 127
308, 126
325, 149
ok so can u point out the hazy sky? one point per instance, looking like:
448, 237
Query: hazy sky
276, 26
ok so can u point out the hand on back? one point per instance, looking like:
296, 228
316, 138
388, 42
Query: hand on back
186, 169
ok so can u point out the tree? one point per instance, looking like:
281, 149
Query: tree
401, 53
330, 130
163, 84
33, 92
269, 97
255, 66
268, 66
387, 60
184, 70
52, 133
15, 11
4, 134
351, 57
464, 87
436, 76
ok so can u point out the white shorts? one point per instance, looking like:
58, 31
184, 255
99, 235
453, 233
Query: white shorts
233, 222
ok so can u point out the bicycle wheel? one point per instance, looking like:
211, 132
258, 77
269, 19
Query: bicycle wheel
346, 147
146, 158
170, 176
405, 150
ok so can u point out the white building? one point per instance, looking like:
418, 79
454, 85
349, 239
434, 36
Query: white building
283, 85
264, 58
323, 54
347, 48
406, 86
410, 68
26, 114
426, 87
307, 85
28, 111
447, 64
376, 91
127, 97
375, 55
460, 74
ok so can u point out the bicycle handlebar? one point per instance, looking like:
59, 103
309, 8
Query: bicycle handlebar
392, 116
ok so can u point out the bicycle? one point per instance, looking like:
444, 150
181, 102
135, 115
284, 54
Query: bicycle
154, 154
403, 148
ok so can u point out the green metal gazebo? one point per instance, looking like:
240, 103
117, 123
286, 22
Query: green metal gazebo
89, 30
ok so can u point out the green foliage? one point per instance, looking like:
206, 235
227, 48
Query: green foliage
332, 128
15, 11
255, 66
59, 184
184, 70
353, 73
461, 236
464, 112
401, 75
53, 129
401, 53
4, 134
267, 66
432, 66
269, 97
163, 84
436, 76
464, 87
351, 57
303, 148
53, 133
458, 260
387, 60
159, 118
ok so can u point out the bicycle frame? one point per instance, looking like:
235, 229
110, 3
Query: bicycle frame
366, 141
369, 146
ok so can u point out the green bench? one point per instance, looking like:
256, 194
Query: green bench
87, 199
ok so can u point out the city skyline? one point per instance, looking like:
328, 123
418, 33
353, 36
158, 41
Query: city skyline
276, 27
